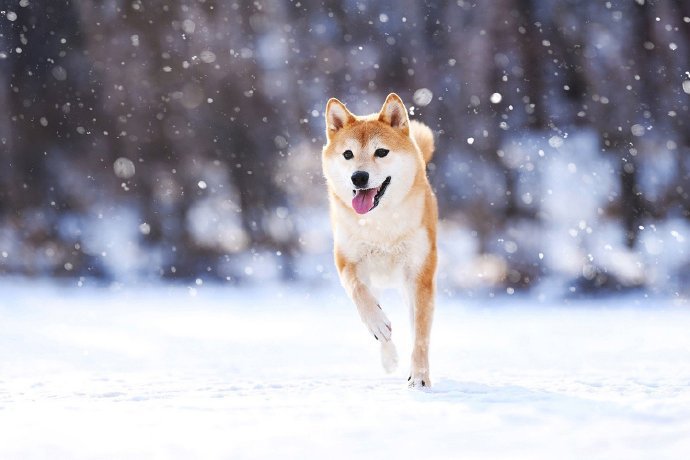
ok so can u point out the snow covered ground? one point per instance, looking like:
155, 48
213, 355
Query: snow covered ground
289, 372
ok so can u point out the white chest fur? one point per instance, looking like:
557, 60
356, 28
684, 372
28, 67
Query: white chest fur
385, 255
390, 265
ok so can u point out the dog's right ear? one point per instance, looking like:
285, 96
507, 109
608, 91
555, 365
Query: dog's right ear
337, 116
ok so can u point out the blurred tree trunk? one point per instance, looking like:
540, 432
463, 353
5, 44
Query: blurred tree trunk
50, 105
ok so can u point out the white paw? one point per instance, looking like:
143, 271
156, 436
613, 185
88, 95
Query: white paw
419, 380
389, 356
378, 324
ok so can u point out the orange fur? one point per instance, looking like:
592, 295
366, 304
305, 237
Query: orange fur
424, 139
393, 243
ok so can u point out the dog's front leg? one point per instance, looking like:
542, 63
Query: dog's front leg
421, 293
368, 307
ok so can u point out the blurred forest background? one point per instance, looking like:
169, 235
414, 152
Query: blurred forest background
142, 140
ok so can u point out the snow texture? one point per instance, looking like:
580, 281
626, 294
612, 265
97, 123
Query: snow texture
288, 372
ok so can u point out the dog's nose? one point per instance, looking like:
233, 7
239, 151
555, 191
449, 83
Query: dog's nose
360, 178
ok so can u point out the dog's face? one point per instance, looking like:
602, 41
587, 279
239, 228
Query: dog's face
370, 163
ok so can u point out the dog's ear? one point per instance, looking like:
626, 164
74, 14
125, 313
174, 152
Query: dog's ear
337, 116
393, 113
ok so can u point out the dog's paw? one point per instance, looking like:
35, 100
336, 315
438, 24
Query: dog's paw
389, 356
419, 380
378, 324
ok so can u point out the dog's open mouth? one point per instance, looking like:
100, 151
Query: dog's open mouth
364, 200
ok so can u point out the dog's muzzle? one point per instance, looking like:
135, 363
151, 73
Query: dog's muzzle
364, 200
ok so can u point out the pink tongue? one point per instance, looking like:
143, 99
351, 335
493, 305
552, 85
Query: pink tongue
364, 200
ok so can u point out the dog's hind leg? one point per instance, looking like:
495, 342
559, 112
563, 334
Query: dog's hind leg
389, 356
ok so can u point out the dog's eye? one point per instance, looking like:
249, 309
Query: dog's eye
381, 153
348, 154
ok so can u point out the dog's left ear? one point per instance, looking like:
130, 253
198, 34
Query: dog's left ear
393, 113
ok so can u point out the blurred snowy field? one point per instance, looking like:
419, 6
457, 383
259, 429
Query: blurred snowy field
287, 371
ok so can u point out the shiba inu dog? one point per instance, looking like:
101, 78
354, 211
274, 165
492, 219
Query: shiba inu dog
384, 217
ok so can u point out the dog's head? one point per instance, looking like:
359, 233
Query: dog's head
370, 162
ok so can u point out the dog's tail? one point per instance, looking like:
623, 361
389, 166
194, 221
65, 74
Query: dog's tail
424, 138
